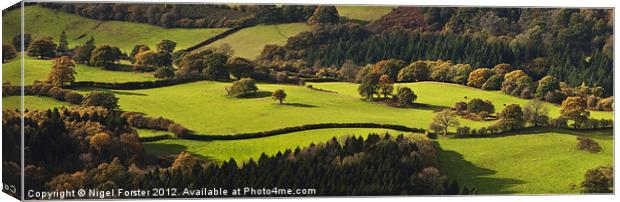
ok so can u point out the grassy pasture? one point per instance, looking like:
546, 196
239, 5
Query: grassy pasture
42, 22
204, 107
446, 94
35, 69
364, 13
243, 150
249, 42
538, 162
31, 102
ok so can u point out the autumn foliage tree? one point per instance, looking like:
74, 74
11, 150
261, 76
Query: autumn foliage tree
386, 86
102, 99
478, 77
417, 71
443, 120
575, 109
62, 71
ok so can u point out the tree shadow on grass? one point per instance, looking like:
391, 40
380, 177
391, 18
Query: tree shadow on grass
259, 94
605, 133
300, 105
454, 165
432, 107
171, 150
127, 93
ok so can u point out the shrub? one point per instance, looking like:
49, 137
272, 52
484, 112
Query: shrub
73, 98
178, 130
101, 98
588, 144
598, 180
242, 88
164, 73
478, 105
8, 52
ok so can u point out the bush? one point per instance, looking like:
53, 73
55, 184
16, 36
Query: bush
242, 88
598, 180
102, 99
178, 130
164, 73
588, 144
73, 98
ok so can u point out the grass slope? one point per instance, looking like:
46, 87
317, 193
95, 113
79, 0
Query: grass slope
537, 163
35, 69
243, 150
365, 13
446, 95
204, 107
31, 102
249, 42
47, 22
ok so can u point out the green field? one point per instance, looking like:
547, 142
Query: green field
31, 102
365, 13
249, 42
542, 162
35, 69
204, 107
42, 22
243, 150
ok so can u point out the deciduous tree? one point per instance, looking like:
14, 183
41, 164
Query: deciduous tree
62, 71
279, 95
443, 120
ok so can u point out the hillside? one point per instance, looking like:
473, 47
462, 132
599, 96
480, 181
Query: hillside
42, 22
35, 69
363, 12
249, 42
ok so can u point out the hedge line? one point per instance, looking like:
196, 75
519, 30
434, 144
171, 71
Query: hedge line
216, 37
134, 85
319, 80
286, 130
155, 138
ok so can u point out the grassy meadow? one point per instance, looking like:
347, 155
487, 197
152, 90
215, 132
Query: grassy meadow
537, 162
221, 114
31, 102
43, 22
36, 69
249, 42
243, 150
364, 13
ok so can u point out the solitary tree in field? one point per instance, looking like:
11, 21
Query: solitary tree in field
279, 95
62, 71
575, 109
405, 96
443, 121
101, 99
535, 112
